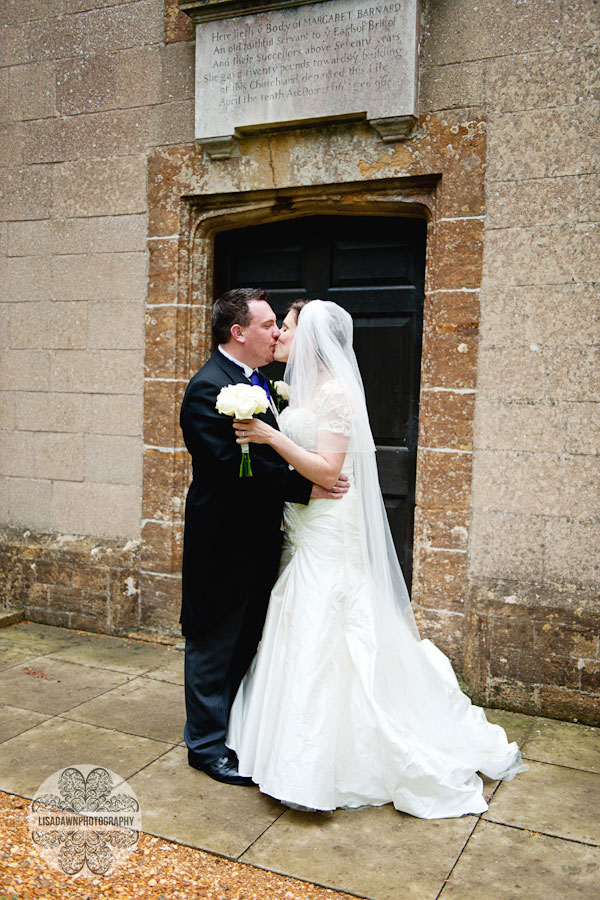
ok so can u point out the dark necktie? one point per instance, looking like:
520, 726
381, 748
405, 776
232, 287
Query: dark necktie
259, 379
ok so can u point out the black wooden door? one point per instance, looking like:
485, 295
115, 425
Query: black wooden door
374, 267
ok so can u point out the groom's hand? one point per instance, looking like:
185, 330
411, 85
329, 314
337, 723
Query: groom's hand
336, 493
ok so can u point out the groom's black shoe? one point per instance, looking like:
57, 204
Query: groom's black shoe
221, 769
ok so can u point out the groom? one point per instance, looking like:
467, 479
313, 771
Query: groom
232, 538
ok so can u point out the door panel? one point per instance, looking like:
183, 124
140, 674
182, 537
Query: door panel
373, 267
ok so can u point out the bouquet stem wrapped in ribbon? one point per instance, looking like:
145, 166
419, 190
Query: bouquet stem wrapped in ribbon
242, 401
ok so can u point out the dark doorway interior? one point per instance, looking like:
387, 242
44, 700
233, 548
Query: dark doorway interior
374, 267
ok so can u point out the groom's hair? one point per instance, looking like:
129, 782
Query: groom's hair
232, 308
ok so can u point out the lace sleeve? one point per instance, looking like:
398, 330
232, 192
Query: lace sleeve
333, 410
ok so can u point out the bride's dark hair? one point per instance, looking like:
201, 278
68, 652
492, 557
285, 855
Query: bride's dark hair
297, 306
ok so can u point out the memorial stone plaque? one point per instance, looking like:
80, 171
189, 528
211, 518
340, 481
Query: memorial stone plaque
325, 61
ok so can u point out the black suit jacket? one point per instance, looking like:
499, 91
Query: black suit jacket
232, 539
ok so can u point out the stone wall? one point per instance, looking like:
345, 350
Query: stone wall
533, 553
105, 287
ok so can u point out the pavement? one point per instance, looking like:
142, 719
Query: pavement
72, 697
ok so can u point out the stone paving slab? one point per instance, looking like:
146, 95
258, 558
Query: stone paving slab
29, 758
143, 706
108, 652
185, 805
553, 800
14, 720
374, 852
77, 698
53, 686
501, 863
564, 744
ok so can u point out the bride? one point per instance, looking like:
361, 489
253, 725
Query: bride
344, 705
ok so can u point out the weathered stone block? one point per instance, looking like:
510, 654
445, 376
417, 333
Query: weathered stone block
177, 68
506, 545
104, 510
161, 429
511, 374
547, 201
459, 246
115, 326
118, 133
446, 420
11, 146
58, 456
522, 316
32, 91
174, 122
139, 77
53, 412
28, 503
572, 551
17, 454
549, 669
162, 471
579, 24
99, 276
161, 341
15, 48
449, 360
31, 238
25, 279
443, 479
101, 187
539, 80
583, 427
590, 676
459, 31
439, 579
65, 599
13, 11
448, 528
505, 664
116, 414
95, 604
162, 263
105, 234
589, 198
573, 373
26, 193
521, 425
178, 26
544, 254
162, 547
113, 459
513, 695
452, 312
454, 86
569, 705
509, 632
124, 599
569, 146
7, 410
24, 370
61, 326
98, 371
573, 641
86, 85
47, 141
444, 629
542, 484
160, 602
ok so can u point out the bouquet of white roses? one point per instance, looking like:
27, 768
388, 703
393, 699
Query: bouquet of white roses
242, 401
282, 392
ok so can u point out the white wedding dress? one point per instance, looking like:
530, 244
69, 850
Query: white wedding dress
323, 718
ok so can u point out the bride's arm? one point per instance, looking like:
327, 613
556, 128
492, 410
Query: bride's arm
322, 468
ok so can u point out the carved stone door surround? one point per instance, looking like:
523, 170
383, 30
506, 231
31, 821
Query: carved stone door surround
438, 174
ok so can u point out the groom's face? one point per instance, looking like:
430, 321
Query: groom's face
260, 336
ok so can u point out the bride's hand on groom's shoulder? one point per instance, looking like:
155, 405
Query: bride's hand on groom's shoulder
252, 431
336, 493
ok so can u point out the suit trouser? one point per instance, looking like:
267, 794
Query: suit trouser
214, 667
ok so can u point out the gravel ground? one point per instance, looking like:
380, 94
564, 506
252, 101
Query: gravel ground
155, 869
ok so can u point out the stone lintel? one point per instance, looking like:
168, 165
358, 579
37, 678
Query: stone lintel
209, 10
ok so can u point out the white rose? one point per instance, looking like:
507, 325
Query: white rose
283, 389
241, 400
